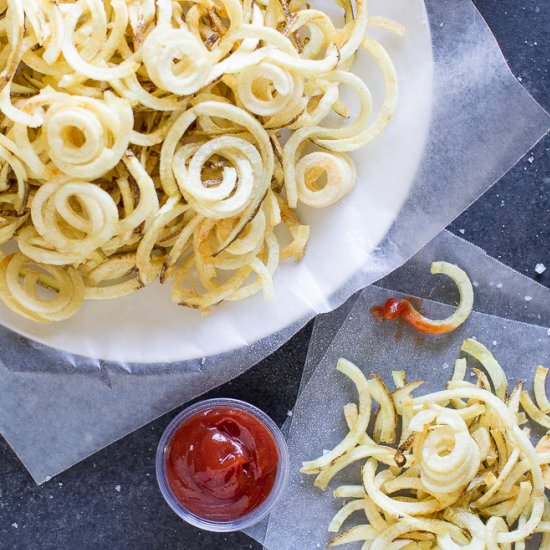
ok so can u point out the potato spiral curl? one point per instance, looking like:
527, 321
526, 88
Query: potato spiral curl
74, 229
267, 89
186, 76
248, 178
89, 48
450, 456
340, 178
22, 284
82, 137
229, 195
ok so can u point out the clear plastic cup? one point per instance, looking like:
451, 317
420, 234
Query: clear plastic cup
255, 515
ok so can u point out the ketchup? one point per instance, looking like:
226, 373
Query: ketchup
395, 308
221, 463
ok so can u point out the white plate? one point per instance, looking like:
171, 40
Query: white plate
147, 327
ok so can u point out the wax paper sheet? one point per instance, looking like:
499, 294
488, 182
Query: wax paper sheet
499, 291
57, 408
301, 519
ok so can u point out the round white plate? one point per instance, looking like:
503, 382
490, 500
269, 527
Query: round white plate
147, 327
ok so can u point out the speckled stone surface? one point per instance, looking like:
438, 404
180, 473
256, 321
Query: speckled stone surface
111, 500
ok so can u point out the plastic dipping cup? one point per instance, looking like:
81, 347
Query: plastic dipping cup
253, 516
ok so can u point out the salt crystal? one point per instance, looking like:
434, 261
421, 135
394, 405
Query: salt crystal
548, 332
289, 413
462, 231
528, 298
530, 159
117, 488
494, 342
15, 525
60, 484
499, 285
540, 269
475, 283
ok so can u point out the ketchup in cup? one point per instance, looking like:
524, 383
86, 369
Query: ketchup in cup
221, 464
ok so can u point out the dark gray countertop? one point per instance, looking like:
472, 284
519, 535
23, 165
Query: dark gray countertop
111, 500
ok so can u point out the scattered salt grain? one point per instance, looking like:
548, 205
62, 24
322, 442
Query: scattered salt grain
531, 159
117, 488
528, 298
494, 342
15, 525
540, 269
289, 413
499, 285
475, 283
462, 231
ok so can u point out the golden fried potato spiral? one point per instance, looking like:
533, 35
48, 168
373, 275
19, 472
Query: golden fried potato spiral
169, 140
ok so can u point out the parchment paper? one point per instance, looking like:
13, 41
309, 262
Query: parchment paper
56, 409
300, 521
499, 291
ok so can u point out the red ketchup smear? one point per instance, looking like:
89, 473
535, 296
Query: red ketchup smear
221, 463
396, 308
